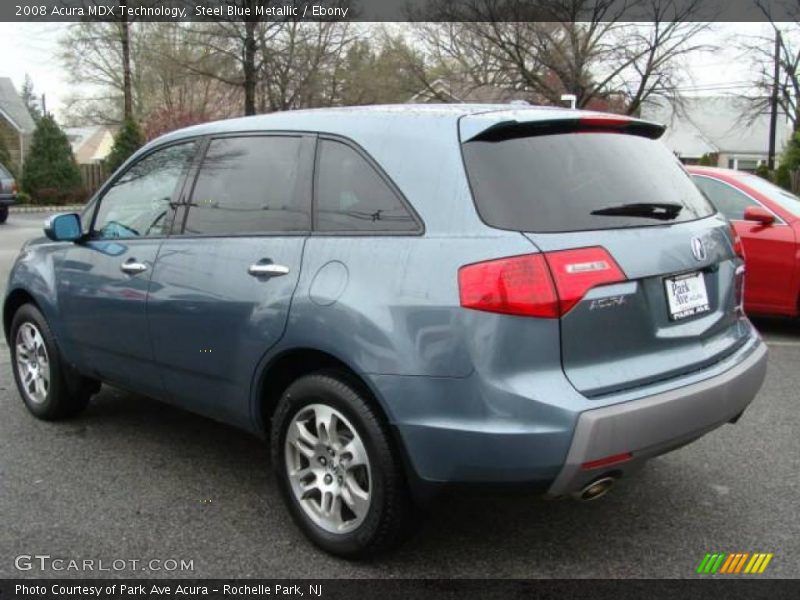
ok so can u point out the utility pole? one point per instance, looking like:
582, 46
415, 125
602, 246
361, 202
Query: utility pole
773, 117
44, 107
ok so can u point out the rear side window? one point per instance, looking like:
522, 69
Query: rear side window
249, 185
728, 200
580, 181
353, 197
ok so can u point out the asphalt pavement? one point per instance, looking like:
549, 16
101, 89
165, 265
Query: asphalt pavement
133, 480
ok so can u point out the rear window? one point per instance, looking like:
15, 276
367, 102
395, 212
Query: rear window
580, 181
4, 174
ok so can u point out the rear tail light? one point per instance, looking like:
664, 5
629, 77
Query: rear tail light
737, 243
536, 285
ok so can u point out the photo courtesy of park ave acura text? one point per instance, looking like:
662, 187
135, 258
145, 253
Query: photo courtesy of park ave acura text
400, 299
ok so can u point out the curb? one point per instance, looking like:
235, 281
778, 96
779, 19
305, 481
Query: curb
46, 209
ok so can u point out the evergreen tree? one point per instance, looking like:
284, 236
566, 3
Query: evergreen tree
128, 140
50, 171
29, 98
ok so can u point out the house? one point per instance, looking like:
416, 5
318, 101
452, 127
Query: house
16, 123
720, 127
90, 145
463, 92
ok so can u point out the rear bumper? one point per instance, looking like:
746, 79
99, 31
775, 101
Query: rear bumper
8, 199
657, 424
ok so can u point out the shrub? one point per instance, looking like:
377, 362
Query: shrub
50, 169
763, 171
127, 141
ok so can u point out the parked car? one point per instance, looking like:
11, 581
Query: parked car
8, 192
767, 220
400, 298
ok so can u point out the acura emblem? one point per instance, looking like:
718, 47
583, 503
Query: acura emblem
698, 249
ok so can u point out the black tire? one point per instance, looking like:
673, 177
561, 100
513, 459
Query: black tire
68, 393
390, 507
3, 214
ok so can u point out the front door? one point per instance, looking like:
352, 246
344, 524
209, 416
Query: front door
222, 287
769, 250
104, 281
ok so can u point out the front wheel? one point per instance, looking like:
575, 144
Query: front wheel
3, 214
47, 386
337, 469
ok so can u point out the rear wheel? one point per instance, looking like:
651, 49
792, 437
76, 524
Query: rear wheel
48, 387
3, 214
336, 467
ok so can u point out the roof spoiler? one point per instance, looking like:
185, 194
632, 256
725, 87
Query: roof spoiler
506, 130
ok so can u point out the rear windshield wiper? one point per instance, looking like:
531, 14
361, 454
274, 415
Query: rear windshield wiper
652, 210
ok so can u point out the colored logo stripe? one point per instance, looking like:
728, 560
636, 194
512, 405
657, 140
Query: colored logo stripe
734, 563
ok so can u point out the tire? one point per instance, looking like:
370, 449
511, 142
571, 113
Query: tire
66, 393
374, 525
3, 214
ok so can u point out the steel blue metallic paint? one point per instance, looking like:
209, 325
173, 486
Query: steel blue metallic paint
474, 396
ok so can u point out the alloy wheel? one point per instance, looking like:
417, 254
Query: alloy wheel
328, 468
33, 363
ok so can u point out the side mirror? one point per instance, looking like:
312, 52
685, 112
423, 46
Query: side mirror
65, 227
759, 214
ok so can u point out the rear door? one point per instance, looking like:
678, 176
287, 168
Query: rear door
223, 283
609, 187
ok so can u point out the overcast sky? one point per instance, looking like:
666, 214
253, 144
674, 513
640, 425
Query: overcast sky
33, 48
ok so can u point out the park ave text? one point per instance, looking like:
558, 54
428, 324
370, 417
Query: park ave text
124, 589
177, 12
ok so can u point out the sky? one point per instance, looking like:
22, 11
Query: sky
32, 48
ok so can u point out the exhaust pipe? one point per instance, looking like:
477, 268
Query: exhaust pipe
596, 489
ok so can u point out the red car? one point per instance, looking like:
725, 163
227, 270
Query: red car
767, 219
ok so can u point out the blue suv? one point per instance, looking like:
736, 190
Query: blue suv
400, 297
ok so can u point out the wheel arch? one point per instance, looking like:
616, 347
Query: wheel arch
14, 300
290, 364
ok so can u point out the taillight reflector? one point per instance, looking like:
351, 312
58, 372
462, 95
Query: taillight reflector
536, 285
607, 461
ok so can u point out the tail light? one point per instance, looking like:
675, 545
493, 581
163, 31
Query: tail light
737, 243
536, 285
14, 187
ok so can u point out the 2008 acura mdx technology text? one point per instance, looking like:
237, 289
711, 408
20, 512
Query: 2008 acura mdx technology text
400, 297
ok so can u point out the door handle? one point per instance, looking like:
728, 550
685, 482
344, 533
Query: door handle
267, 270
132, 267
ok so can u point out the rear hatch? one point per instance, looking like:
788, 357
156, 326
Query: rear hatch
647, 274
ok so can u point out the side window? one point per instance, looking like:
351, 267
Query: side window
728, 200
138, 204
352, 196
250, 185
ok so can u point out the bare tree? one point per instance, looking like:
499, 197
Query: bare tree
761, 51
583, 47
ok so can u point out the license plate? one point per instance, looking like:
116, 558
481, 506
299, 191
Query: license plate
686, 296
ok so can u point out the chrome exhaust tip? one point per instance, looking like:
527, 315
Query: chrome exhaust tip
596, 489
